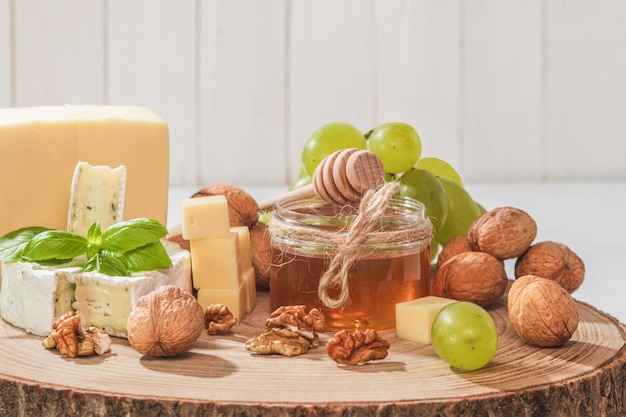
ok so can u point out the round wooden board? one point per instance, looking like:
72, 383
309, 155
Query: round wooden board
586, 377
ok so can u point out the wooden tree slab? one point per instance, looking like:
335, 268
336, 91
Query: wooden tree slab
218, 377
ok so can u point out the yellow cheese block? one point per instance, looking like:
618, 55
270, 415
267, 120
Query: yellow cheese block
215, 262
204, 217
233, 298
249, 279
414, 318
245, 256
40, 147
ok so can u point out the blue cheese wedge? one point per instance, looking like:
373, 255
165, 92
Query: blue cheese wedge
32, 295
97, 193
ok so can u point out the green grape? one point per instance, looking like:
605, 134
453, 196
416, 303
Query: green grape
423, 186
328, 139
440, 168
481, 208
465, 336
266, 216
461, 212
397, 145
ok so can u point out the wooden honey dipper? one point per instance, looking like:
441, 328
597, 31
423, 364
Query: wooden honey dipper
341, 178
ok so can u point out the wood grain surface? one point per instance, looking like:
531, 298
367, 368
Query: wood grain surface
219, 377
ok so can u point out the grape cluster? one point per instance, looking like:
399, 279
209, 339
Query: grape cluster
432, 181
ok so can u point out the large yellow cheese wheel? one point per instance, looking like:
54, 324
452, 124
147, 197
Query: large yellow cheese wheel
40, 147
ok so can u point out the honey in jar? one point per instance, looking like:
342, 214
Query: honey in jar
390, 266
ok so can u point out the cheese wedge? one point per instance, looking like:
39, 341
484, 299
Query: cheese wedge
32, 295
97, 193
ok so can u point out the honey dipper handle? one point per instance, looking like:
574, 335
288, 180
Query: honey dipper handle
302, 192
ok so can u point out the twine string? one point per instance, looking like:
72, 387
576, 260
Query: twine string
372, 207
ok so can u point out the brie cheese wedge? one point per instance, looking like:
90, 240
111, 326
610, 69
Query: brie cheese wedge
32, 295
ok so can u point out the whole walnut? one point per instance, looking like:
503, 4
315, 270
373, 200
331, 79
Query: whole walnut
243, 210
552, 260
165, 322
456, 245
471, 276
541, 311
504, 232
261, 250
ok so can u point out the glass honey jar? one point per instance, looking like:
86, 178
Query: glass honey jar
389, 264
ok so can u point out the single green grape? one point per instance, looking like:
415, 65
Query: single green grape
465, 336
440, 168
266, 216
481, 208
327, 139
462, 211
397, 145
425, 187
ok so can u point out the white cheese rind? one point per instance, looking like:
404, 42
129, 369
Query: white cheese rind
33, 295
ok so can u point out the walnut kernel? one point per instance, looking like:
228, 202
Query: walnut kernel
71, 339
471, 276
165, 322
218, 319
504, 232
297, 319
552, 260
282, 341
357, 347
541, 311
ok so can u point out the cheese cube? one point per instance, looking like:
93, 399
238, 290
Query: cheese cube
250, 280
205, 217
40, 147
215, 262
234, 298
414, 318
245, 256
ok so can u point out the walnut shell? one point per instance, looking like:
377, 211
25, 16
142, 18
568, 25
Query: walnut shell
477, 277
165, 322
504, 232
552, 260
261, 250
456, 245
243, 210
541, 311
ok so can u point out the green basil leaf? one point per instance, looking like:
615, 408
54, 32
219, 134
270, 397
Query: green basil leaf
54, 244
13, 243
107, 263
54, 262
132, 234
94, 234
147, 258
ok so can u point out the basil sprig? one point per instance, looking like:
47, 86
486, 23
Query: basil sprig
124, 248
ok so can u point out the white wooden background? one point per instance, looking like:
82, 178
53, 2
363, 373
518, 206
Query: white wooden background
530, 90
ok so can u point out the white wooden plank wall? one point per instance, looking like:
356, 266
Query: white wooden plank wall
502, 89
